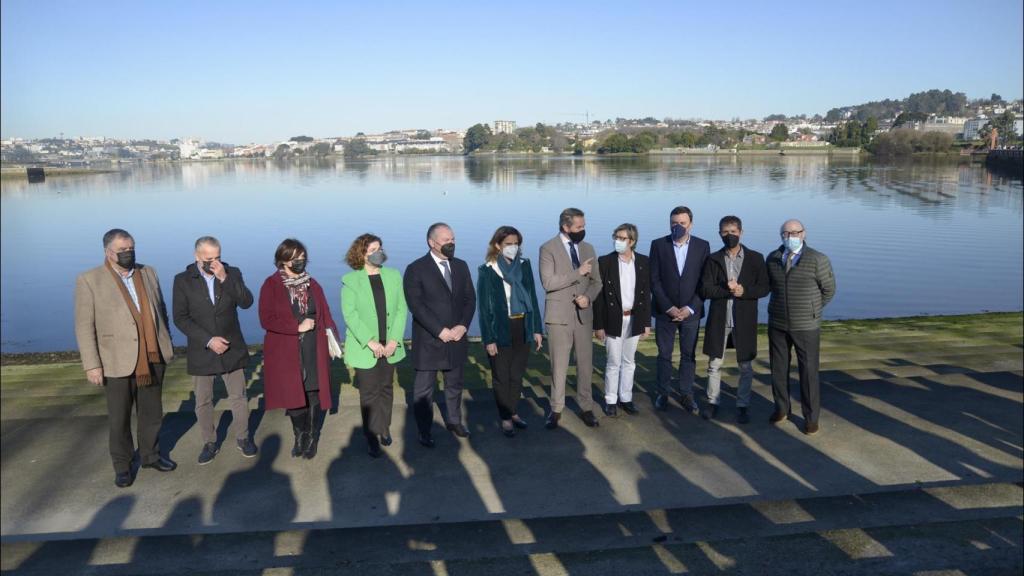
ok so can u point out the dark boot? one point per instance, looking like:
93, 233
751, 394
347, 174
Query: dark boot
313, 435
299, 427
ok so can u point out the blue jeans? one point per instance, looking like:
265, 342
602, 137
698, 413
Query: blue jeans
665, 332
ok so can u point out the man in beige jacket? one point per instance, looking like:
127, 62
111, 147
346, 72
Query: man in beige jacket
571, 282
121, 327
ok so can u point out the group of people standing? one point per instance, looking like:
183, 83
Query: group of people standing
122, 328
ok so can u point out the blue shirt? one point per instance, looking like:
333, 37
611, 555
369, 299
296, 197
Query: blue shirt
129, 283
209, 284
681, 252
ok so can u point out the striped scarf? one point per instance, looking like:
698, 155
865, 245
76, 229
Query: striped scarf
298, 289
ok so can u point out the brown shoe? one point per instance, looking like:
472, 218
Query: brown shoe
811, 428
778, 418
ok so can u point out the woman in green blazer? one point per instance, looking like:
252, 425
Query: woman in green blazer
373, 303
509, 319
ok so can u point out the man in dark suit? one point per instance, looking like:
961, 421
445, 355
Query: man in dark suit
677, 261
734, 279
439, 292
802, 284
207, 296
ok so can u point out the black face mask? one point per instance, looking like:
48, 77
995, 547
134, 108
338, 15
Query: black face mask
448, 250
298, 266
730, 240
576, 237
126, 259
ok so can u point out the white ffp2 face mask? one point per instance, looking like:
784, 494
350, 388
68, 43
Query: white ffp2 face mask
621, 246
510, 251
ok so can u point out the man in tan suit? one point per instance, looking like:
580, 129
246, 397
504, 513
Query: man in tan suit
571, 282
121, 327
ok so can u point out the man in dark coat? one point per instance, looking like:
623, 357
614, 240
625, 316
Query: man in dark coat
734, 279
207, 296
802, 284
439, 292
677, 261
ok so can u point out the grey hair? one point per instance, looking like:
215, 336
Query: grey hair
630, 230
783, 227
568, 215
434, 227
114, 234
207, 240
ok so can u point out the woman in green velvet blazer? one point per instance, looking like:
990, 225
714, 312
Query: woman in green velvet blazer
373, 302
509, 319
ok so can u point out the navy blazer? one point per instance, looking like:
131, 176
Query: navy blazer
434, 307
669, 288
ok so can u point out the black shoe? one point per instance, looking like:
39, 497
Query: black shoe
210, 450
629, 408
247, 447
552, 421
123, 480
520, 423
711, 412
661, 402
374, 448
690, 405
385, 440
589, 419
611, 411
458, 429
743, 417
161, 464
426, 441
509, 432
778, 418
811, 428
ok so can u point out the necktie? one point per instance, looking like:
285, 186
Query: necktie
447, 274
575, 256
789, 261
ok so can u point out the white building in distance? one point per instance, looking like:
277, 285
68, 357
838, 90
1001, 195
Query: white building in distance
504, 126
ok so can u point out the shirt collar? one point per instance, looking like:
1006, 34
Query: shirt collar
438, 260
565, 239
738, 254
678, 245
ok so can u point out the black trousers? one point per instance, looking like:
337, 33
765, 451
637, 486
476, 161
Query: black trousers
121, 394
507, 369
807, 344
312, 402
376, 397
665, 332
423, 397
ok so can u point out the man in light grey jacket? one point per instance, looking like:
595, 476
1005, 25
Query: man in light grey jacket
802, 284
571, 282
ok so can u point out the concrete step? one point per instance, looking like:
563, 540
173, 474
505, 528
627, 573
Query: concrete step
961, 529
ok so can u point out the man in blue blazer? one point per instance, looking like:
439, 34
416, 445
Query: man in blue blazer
677, 261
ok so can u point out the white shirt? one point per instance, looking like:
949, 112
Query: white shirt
627, 282
441, 266
508, 287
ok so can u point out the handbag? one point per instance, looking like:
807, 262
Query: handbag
333, 348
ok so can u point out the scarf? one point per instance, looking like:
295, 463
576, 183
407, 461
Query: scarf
298, 290
512, 273
149, 348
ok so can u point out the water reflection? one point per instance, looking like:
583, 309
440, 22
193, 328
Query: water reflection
889, 228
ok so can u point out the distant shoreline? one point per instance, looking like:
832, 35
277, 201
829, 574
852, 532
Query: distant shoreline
19, 172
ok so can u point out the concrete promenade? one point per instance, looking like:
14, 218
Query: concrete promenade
917, 468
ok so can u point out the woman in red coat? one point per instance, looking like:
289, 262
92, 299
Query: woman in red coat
296, 362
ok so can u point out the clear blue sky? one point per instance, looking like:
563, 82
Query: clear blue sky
260, 71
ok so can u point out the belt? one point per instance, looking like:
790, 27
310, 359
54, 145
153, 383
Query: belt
627, 312
517, 316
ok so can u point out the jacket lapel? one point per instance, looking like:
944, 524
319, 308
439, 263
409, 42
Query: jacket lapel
613, 275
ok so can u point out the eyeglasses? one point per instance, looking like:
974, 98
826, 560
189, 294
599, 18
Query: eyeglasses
624, 239
790, 234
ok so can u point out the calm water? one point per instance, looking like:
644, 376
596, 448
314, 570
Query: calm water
904, 239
